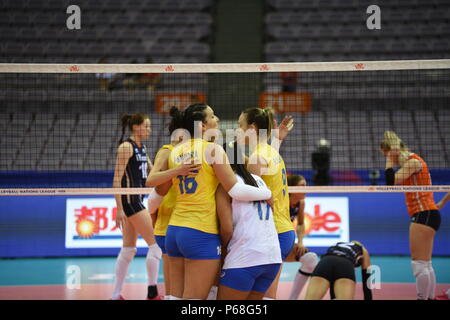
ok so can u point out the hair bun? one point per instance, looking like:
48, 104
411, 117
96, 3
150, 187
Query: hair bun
174, 111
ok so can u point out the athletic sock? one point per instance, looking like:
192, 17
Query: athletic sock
423, 282
152, 263
124, 259
299, 282
432, 282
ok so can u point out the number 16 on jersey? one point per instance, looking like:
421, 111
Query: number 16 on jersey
187, 184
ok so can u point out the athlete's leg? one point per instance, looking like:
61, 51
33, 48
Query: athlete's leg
286, 240
344, 289
161, 241
421, 239
176, 262
255, 295
142, 223
317, 288
272, 291
176, 277
309, 262
124, 258
166, 270
199, 277
227, 293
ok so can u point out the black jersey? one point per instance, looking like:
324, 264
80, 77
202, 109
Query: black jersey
136, 170
349, 250
294, 210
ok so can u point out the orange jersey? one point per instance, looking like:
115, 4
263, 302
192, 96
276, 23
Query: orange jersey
419, 201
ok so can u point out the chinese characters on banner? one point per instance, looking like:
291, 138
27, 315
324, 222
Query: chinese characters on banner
90, 223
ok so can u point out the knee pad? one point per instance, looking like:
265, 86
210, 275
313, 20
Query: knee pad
420, 267
154, 251
127, 253
309, 262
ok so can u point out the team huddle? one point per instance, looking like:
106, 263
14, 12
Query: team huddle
222, 221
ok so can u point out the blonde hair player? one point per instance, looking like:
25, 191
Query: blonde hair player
425, 217
336, 271
132, 217
192, 238
162, 207
266, 162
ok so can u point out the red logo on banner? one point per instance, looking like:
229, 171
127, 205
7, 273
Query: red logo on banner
264, 67
86, 228
359, 66
322, 221
91, 221
169, 69
74, 69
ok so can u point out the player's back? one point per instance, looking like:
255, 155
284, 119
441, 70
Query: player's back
195, 201
255, 240
276, 180
419, 201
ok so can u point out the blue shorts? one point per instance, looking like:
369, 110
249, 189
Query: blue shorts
161, 241
188, 243
257, 278
287, 240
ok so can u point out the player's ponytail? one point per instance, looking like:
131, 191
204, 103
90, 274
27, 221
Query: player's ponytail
128, 121
261, 118
124, 121
237, 162
177, 121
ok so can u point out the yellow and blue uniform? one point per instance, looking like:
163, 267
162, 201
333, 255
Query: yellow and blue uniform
275, 178
165, 211
193, 231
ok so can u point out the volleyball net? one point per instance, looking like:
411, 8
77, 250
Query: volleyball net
60, 123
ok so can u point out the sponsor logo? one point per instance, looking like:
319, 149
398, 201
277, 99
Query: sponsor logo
264, 67
326, 221
90, 223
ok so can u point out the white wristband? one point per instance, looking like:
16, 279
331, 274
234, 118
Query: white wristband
154, 200
245, 192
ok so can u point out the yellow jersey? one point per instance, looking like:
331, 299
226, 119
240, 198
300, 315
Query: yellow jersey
166, 207
195, 195
276, 180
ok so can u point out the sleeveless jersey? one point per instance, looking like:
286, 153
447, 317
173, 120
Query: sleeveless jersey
195, 195
419, 201
293, 211
166, 207
276, 180
136, 170
349, 250
255, 239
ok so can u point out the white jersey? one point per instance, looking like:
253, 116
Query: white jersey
255, 239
